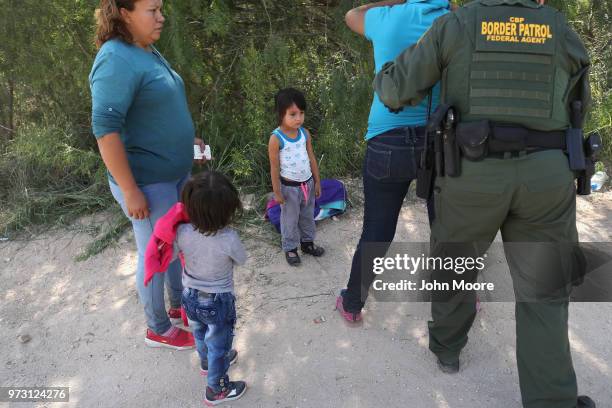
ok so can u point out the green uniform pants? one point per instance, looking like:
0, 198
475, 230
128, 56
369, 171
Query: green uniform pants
530, 199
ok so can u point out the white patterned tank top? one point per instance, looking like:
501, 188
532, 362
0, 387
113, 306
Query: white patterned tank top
294, 162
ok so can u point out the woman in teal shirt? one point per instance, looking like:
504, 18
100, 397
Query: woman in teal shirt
145, 134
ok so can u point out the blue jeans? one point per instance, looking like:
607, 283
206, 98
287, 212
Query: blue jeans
160, 197
212, 317
389, 167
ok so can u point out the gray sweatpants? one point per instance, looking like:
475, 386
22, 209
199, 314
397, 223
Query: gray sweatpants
297, 215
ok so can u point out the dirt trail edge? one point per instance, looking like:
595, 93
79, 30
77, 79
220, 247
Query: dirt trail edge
79, 324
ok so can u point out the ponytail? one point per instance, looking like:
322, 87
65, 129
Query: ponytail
109, 22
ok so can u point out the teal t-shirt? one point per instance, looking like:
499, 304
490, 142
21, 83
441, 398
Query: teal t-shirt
392, 29
137, 94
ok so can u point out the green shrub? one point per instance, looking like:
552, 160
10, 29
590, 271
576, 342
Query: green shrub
48, 180
233, 57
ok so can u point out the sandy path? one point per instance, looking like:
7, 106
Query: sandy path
87, 328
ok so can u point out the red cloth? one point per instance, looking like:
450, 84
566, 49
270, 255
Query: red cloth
184, 317
161, 245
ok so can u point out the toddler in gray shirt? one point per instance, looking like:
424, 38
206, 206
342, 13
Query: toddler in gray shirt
210, 249
209, 259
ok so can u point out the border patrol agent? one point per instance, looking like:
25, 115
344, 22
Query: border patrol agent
510, 69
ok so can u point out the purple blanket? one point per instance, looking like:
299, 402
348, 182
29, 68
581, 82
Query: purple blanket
331, 202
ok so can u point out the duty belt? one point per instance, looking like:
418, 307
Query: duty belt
514, 139
481, 139
448, 142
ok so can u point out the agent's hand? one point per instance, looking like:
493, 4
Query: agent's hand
279, 198
200, 142
136, 203
318, 189
396, 111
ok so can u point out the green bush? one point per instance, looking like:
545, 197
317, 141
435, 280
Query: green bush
46, 179
233, 55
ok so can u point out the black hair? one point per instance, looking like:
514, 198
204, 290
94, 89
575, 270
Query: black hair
285, 98
211, 201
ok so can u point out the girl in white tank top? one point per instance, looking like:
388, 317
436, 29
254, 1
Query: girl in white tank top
295, 176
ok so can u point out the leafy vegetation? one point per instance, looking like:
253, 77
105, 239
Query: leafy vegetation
233, 55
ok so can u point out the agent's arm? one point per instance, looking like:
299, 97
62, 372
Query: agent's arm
355, 18
408, 79
579, 87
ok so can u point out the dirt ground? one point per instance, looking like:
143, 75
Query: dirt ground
79, 324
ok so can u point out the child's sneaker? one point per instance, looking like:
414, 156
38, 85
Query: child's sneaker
233, 391
175, 338
351, 317
311, 249
292, 257
232, 355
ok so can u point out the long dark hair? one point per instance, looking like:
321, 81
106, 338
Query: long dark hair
109, 22
284, 99
211, 201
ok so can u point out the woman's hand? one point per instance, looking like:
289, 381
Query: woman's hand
114, 156
317, 189
136, 203
200, 142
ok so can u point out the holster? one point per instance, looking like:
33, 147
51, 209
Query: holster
431, 158
575, 149
472, 138
581, 153
425, 175
592, 146
574, 139
452, 154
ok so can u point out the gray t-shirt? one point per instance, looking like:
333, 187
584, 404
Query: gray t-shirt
209, 260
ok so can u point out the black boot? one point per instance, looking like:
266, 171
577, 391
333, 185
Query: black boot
448, 368
585, 402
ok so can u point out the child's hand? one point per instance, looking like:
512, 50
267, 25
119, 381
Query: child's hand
279, 198
317, 189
